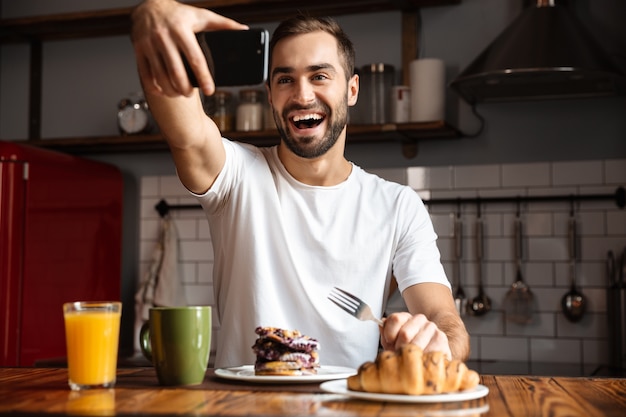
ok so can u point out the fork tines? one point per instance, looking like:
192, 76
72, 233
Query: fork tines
344, 300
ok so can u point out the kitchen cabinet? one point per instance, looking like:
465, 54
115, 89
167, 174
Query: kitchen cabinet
37, 30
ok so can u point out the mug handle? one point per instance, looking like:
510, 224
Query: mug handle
144, 341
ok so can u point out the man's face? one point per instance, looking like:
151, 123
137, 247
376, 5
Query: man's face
309, 93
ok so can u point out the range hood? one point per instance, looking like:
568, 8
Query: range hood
545, 54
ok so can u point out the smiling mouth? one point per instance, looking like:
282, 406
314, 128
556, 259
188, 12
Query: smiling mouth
307, 121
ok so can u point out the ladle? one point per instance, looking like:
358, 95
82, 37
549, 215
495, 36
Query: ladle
481, 304
459, 294
573, 302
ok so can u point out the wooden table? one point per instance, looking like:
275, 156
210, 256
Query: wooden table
45, 391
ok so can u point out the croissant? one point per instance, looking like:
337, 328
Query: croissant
410, 371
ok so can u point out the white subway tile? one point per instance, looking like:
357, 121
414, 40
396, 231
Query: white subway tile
547, 249
539, 274
493, 274
398, 175
616, 223
196, 250
526, 175
186, 229
542, 326
592, 223
474, 347
188, 272
149, 229
171, 186
146, 208
422, 178
488, 324
596, 352
477, 176
548, 299
539, 224
504, 348
577, 173
596, 248
615, 171
499, 249
591, 326
149, 186
205, 273
492, 225
555, 350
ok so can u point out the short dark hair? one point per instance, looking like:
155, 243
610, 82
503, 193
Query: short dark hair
302, 24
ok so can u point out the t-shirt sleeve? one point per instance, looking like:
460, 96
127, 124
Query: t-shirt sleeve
238, 157
417, 258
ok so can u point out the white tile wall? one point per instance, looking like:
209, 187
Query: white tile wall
549, 338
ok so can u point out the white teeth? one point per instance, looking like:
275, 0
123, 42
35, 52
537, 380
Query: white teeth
311, 116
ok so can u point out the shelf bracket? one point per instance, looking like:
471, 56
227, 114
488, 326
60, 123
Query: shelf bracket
409, 149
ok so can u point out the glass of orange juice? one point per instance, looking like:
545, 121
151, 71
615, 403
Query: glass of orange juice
92, 332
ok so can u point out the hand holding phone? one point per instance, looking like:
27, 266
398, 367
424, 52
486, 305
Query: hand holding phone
235, 57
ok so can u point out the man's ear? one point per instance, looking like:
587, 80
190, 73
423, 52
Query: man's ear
353, 90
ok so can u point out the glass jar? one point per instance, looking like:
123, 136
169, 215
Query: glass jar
374, 93
249, 111
221, 110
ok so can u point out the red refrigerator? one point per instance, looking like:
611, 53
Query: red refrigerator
60, 240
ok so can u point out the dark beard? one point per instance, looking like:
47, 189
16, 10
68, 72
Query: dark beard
304, 147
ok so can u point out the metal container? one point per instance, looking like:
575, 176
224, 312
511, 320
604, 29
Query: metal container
376, 82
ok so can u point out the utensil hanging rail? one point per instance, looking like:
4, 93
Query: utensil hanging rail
619, 196
163, 207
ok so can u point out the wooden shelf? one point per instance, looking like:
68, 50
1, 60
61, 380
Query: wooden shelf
405, 133
113, 22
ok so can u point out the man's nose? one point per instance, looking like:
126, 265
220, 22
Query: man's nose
304, 92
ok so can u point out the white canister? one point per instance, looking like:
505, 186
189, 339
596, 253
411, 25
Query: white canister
400, 103
428, 89
250, 111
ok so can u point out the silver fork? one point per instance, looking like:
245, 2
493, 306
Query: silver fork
353, 305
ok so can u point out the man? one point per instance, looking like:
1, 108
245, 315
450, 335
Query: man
290, 222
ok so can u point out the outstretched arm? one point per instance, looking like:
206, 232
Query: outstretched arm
162, 31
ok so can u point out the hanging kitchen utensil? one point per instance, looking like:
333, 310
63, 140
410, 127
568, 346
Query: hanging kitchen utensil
622, 311
481, 304
612, 312
573, 302
459, 294
518, 301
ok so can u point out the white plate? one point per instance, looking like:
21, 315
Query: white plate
246, 373
341, 387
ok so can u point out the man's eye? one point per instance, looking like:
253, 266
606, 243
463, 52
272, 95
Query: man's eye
320, 77
283, 80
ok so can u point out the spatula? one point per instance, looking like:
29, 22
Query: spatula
519, 299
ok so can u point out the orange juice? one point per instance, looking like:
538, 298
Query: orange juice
92, 336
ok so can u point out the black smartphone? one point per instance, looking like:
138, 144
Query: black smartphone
235, 57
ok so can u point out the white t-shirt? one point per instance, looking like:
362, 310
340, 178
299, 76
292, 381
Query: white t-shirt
280, 246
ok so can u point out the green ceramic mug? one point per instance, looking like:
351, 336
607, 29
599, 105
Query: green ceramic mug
177, 340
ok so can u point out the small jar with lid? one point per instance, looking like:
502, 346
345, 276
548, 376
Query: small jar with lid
220, 109
249, 111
